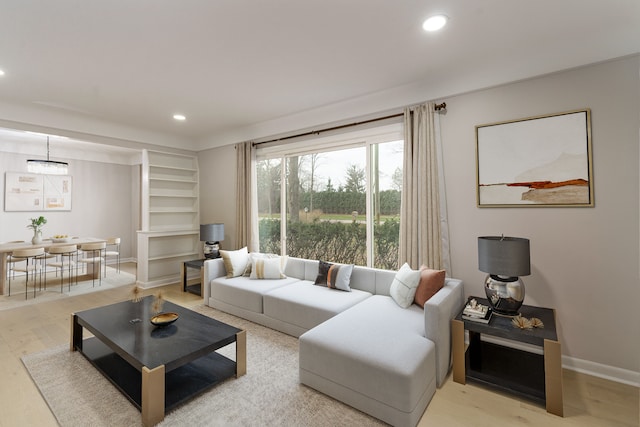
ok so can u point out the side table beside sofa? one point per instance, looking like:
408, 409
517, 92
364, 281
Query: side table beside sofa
503, 366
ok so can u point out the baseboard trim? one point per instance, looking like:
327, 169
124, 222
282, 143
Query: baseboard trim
599, 370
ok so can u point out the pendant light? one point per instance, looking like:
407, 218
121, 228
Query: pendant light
49, 167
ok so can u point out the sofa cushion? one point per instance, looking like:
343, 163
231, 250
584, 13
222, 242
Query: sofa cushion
385, 357
431, 281
307, 305
268, 268
334, 276
245, 293
235, 262
403, 287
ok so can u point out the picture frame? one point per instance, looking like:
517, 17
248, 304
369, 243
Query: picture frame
28, 192
542, 161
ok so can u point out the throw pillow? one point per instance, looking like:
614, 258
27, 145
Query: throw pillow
403, 287
334, 276
431, 281
252, 255
267, 268
235, 262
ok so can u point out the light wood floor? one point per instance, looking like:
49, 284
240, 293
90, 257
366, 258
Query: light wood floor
588, 401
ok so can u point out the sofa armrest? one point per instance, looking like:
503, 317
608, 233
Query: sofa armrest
213, 268
438, 312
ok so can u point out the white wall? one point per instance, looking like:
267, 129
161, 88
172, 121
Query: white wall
218, 191
585, 261
103, 204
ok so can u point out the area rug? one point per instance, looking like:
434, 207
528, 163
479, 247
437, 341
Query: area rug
268, 395
113, 279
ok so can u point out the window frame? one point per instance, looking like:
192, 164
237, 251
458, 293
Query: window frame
367, 137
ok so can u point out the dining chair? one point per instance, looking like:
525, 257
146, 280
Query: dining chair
12, 260
115, 252
94, 255
66, 261
32, 257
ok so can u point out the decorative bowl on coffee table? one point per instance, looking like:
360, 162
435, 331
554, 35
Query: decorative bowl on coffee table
164, 319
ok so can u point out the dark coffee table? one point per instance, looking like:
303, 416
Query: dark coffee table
157, 368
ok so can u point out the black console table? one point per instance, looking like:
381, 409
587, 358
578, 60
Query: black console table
527, 374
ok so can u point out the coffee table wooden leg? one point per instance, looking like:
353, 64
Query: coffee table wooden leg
183, 276
457, 338
152, 395
553, 377
241, 353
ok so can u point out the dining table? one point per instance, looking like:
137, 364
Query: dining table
7, 248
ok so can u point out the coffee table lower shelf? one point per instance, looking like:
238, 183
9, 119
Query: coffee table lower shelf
181, 384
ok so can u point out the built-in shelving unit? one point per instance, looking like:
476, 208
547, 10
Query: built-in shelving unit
170, 217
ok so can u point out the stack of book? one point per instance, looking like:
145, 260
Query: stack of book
476, 312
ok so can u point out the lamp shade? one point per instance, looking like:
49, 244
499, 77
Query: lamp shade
211, 232
504, 256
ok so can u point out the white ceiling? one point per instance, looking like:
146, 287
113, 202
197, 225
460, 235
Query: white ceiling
244, 69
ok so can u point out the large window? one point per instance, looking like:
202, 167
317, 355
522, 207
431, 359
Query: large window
341, 196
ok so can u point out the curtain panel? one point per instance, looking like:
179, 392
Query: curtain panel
246, 200
421, 215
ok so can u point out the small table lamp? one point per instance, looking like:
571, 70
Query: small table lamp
505, 259
211, 235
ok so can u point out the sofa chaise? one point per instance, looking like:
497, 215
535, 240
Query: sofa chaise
359, 347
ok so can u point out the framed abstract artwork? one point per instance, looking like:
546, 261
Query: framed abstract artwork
36, 192
536, 161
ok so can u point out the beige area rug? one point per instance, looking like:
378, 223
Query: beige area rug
113, 279
268, 395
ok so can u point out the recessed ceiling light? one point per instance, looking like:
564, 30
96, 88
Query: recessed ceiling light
1, 73
179, 117
434, 23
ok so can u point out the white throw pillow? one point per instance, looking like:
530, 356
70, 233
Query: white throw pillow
267, 268
257, 255
404, 285
235, 262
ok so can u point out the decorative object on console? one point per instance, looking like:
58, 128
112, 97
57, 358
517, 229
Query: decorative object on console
521, 322
504, 259
476, 312
211, 235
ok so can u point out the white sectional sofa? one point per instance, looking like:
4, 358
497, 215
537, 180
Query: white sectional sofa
359, 347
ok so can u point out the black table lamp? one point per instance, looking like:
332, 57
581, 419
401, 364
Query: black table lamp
211, 235
505, 259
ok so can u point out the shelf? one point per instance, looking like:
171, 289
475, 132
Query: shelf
160, 211
181, 383
172, 256
175, 168
189, 181
170, 215
506, 369
177, 196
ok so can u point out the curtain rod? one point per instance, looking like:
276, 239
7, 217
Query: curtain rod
437, 107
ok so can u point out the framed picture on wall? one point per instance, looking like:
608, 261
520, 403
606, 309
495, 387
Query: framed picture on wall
37, 192
536, 161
